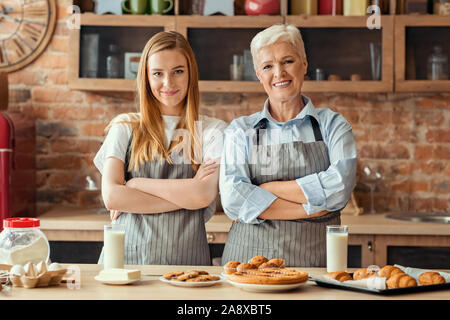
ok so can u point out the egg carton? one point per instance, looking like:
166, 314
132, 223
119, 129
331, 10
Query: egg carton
34, 279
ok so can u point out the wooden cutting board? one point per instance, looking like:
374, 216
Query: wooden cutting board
3, 91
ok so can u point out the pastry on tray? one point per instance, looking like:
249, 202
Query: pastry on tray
400, 280
363, 273
388, 271
340, 276
429, 278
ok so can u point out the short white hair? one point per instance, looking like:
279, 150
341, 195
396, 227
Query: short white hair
278, 32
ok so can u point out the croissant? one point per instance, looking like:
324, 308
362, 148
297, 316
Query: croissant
400, 280
388, 271
340, 276
428, 278
363, 273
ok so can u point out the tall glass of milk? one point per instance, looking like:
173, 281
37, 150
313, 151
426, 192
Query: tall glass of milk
337, 241
113, 246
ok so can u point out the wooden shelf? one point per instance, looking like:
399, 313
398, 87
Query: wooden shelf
128, 20
392, 27
402, 22
230, 86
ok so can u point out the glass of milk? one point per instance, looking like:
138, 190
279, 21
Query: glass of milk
113, 246
337, 240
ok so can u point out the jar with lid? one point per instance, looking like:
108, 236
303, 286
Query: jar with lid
22, 241
442, 7
437, 65
113, 62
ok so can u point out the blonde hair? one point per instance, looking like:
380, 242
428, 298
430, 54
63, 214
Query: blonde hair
278, 32
149, 129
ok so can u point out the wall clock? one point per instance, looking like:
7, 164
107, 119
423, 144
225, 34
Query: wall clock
26, 27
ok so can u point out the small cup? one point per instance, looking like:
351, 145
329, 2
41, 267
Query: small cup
134, 6
337, 248
160, 6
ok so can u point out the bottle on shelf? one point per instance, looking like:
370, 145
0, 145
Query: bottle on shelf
308, 7
437, 65
114, 65
355, 7
237, 68
442, 7
382, 4
330, 7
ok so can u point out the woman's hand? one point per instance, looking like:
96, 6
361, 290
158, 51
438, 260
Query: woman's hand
131, 183
206, 168
318, 214
114, 214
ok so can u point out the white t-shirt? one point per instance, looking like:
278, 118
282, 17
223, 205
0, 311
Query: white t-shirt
116, 142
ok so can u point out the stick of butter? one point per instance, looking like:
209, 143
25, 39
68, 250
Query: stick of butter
114, 274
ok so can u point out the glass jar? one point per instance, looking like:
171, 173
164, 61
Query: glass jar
437, 65
237, 68
442, 7
22, 241
113, 62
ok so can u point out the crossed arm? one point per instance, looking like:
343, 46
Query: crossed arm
288, 205
147, 196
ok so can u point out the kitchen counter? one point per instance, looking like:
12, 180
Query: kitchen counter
150, 288
72, 224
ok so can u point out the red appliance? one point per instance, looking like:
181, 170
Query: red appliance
6, 152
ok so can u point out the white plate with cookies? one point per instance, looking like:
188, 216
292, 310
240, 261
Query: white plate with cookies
193, 278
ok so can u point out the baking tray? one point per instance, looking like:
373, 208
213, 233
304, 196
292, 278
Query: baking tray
344, 286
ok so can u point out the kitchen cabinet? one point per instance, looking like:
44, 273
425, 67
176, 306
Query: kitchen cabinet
414, 41
342, 46
337, 44
420, 251
128, 32
214, 40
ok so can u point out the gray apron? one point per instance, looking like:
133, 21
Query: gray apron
169, 238
301, 242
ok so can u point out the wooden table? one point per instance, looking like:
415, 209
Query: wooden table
150, 288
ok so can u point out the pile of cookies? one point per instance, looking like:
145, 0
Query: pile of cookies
190, 276
395, 277
257, 262
260, 270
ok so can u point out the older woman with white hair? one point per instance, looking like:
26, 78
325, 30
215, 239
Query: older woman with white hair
288, 170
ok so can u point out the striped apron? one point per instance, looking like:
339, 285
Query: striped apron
301, 242
169, 238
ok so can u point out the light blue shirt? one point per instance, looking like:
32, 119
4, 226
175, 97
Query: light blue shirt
327, 190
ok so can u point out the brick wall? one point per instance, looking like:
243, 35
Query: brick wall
405, 137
